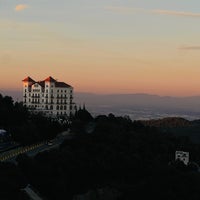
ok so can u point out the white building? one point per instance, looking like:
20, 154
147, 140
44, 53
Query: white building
49, 96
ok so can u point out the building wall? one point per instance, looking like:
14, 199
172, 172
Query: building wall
49, 98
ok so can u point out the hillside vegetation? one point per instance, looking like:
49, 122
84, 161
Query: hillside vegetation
120, 159
25, 127
109, 158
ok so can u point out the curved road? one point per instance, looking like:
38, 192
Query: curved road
34, 149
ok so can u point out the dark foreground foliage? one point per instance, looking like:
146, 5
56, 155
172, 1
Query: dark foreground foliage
120, 160
25, 127
11, 182
110, 158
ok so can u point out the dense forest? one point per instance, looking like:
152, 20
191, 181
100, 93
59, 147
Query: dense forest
109, 158
23, 126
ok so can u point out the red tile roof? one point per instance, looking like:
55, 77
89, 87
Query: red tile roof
28, 79
50, 79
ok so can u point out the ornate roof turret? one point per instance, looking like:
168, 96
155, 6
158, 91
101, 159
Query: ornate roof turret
28, 79
50, 79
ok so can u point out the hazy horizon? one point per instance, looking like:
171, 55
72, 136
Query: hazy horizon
136, 106
18, 93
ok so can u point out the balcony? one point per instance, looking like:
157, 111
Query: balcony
34, 102
34, 96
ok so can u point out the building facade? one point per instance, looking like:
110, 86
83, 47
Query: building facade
49, 96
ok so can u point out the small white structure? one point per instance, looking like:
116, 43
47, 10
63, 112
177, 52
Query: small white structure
3, 132
182, 156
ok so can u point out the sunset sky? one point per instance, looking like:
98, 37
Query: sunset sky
103, 46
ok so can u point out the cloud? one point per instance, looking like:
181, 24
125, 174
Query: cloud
124, 10
188, 47
21, 7
131, 10
175, 13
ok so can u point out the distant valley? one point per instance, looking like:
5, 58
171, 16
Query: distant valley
141, 106
136, 106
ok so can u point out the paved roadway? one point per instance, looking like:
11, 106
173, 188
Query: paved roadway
33, 149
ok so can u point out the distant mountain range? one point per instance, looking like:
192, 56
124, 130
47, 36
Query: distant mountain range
141, 106
137, 106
